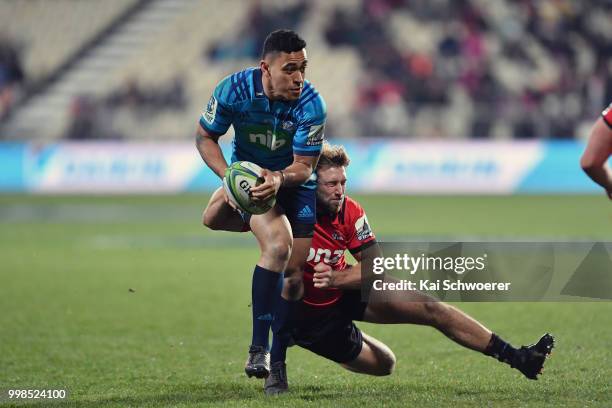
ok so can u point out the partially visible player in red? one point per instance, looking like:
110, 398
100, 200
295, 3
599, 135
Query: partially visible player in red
332, 298
595, 157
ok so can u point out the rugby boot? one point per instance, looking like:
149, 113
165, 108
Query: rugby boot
529, 360
258, 363
276, 383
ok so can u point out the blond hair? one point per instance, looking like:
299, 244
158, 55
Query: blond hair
333, 155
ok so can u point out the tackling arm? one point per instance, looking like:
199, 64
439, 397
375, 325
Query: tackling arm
598, 150
349, 278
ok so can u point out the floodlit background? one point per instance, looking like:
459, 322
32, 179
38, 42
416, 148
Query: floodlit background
465, 120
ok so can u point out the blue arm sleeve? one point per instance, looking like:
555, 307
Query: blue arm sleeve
310, 134
218, 115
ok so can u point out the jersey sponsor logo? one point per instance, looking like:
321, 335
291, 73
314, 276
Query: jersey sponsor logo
362, 227
305, 212
326, 255
337, 237
315, 135
211, 110
267, 139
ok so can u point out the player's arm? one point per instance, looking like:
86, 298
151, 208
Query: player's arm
292, 176
214, 122
210, 151
349, 278
594, 159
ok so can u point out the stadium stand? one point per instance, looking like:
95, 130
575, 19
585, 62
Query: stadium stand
394, 68
46, 43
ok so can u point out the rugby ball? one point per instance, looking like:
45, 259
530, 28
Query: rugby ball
239, 178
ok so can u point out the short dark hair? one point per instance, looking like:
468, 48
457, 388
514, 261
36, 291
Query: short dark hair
282, 41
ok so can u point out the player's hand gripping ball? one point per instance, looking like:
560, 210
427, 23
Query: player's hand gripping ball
239, 178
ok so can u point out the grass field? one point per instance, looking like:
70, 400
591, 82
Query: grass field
128, 301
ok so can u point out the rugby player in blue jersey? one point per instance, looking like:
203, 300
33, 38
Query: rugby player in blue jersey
278, 119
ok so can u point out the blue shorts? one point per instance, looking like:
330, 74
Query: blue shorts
299, 204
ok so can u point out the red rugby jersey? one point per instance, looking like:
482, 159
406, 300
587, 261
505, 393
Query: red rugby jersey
607, 115
349, 229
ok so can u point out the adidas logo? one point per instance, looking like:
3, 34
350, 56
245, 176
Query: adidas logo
305, 212
267, 316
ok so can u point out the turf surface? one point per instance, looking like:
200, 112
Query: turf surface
127, 301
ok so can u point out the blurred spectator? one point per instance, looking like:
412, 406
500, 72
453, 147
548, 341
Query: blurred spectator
87, 120
93, 118
12, 75
137, 97
530, 68
260, 22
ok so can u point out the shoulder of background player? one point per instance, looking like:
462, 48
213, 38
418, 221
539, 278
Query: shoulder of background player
606, 115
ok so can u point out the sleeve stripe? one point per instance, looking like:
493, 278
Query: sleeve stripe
209, 130
219, 120
362, 246
301, 152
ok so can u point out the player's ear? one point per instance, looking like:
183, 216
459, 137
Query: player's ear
265, 67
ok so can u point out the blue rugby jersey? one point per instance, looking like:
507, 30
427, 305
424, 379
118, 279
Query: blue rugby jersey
267, 132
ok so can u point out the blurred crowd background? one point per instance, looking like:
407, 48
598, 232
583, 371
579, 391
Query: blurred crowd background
445, 69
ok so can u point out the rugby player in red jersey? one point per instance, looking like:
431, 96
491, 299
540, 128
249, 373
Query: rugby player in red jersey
332, 298
598, 151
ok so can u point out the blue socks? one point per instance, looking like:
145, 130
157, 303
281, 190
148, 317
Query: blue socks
271, 310
282, 327
265, 291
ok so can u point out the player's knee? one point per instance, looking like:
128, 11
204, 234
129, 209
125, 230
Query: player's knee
588, 164
293, 285
278, 251
386, 363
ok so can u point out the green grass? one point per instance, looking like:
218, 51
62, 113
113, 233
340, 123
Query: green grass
127, 301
